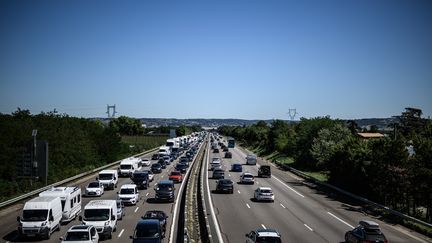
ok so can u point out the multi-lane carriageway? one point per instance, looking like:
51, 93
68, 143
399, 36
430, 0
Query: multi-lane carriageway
300, 212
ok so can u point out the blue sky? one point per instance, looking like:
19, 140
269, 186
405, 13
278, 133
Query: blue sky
217, 59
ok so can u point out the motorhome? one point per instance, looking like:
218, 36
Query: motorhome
102, 214
70, 200
109, 178
40, 217
129, 166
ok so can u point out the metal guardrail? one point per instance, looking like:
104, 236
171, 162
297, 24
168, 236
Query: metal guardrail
385, 208
35, 192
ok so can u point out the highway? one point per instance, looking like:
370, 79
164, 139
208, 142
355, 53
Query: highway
300, 212
125, 227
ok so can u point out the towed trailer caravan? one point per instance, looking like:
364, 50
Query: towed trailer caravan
70, 200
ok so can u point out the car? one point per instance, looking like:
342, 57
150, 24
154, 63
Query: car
165, 191
184, 159
264, 171
147, 231
129, 194
181, 167
145, 162
247, 178
155, 156
218, 174
156, 168
215, 164
120, 209
94, 188
228, 155
163, 163
141, 179
262, 235
216, 150
264, 194
366, 231
81, 234
236, 167
159, 215
176, 176
225, 185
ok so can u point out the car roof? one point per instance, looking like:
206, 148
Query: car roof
267, 232
128, 186
165, 182
148, 221
80, 227
247, 173
369, 224
264, 188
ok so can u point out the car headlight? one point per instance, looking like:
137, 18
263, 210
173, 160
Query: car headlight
106, 223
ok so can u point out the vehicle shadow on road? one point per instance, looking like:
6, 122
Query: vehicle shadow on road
14, 237
155, 201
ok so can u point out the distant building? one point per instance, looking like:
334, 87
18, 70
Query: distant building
369, 135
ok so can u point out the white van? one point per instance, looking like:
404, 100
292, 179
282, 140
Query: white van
164, 150
40, 217
251, 159
109, 178
102, 214
129, 166
70, 199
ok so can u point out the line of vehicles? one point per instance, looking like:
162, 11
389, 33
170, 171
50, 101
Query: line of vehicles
43, 215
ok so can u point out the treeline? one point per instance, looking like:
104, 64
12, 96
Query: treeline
75, 145
395, 170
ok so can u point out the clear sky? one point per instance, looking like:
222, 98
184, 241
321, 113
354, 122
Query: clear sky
217, 59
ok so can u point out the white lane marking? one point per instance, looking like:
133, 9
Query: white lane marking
282, 205
263, 226
136, 209
161, 176
308, 227
229, 175
121, 232
147, 194
257, 182
215, 221
238, 191
334, 216
288, 186
247, 205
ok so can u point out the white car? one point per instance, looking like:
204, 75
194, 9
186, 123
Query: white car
215, 164
145, 162
81, 234
129, 194
264, 194
247, 178
94, 188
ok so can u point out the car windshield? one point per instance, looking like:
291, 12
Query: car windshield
372, 231
154, 215
77, 236
266, 191
105, 176
165, 187
125, 167
268, 240
127, 191
174, 173
34, 215
156, 165
96, 214
140, 175
247, 176
146, 231
93, 185
225, 182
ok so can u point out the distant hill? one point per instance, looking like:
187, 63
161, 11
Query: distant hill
381, 123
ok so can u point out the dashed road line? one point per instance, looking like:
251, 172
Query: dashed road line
147, 194
120, 234
136, 209
238, 191
282, 205
247, 205
308, 227
334, 216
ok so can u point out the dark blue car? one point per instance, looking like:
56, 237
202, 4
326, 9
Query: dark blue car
147, 231
236, 168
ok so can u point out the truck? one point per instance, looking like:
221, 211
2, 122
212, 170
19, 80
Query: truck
102, 214
70, 200
40, 217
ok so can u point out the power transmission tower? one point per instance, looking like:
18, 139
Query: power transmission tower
111, 114
292, 113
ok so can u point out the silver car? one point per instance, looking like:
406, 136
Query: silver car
120, 209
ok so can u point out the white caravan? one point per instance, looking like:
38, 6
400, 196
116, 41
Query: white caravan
102, 214
40, 217
70, 200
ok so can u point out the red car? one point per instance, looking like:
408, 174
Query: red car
176, 176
